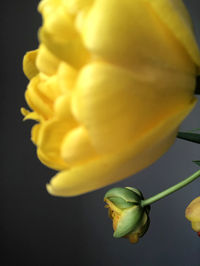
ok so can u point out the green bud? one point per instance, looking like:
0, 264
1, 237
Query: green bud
130, 220
137, 191
125, 194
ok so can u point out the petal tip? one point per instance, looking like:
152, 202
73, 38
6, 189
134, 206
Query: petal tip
50, 190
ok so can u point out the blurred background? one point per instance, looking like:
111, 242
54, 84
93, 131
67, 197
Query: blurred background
38, 229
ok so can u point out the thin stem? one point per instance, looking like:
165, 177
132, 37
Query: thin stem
170, 190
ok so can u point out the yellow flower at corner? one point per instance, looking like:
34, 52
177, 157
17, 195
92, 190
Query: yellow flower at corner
109, 86
192, 213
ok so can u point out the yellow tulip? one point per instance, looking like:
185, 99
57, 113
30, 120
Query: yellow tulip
109, 86
192, 213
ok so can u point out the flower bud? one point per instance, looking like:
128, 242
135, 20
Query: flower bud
192, 213
130, 220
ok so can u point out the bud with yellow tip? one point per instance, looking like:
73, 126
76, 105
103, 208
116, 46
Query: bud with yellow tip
130, 220
192, 213
130, 211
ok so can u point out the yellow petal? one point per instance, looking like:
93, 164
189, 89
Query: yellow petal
196, 226
122, 37
75, 6
30, 115
24, 111
175, 16
49, 87
76, 147
46, 62
70, 50
66, 77
52, 161
133, 238
59, 22
35, 133
52, 134
114, 167
29, 66
48, 6
193, 211
62, 108
49, 142
118, 106
38, 102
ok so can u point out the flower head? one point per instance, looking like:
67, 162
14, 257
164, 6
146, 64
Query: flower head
109, 85
192, 213
130, 220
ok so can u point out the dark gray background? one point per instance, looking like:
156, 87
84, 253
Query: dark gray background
38, 229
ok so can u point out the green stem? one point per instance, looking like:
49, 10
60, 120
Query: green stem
170, 190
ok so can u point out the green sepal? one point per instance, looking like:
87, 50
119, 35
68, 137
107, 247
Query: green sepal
193, 137
129, 221
147, 209
145, 227
123, 193
137, 191
197, 162
121, 203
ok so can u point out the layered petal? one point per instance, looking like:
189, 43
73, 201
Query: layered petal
117, 105
113, 167
49, 140
75, 6
76, 147
29, 65
175, 16
71, 51
46, 62
30, 115
60, 35
35, 133
49, 88
67, 76
52, 134
62, 108
107, 88
37, 101
119, 36
52, 160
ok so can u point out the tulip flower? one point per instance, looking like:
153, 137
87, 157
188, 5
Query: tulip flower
110, 83
192, 213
